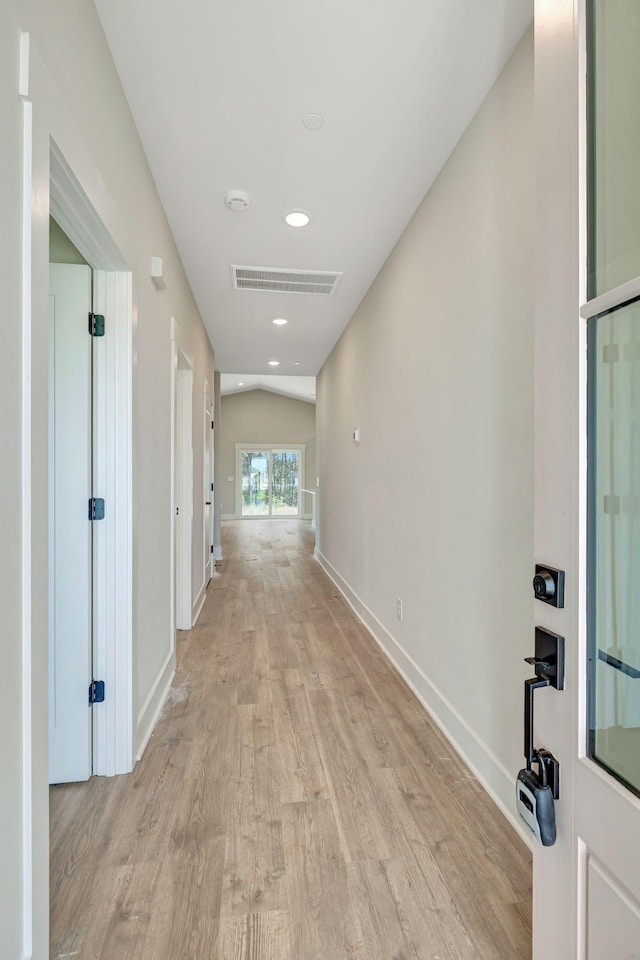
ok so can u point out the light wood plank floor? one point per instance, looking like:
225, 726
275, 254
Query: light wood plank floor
295, 802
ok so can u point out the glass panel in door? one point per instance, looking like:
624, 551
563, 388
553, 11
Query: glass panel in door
255, 483
614, 143
285, 474
614, 542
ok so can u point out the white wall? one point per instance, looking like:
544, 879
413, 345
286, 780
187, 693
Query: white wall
61, 249
435, 506
11, 788
77, 99
264, 417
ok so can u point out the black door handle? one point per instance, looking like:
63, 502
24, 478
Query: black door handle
207, 503
534, 683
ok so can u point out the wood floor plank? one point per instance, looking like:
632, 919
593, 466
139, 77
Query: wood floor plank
184, 917
395, 918
365, 833
323, 924
256, 936
306, 778
295, 801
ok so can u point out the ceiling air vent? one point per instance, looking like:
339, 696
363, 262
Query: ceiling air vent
279, 280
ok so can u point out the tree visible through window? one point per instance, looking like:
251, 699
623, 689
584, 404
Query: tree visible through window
285, 482
270, 483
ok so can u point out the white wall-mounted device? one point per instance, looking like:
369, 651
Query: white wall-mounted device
237, 200
157, 274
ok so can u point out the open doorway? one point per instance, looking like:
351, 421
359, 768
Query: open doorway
90, 490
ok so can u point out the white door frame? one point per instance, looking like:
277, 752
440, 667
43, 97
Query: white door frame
207, 483
70, 579
49, 185
181, 482
112, 480
217, 468
113, 537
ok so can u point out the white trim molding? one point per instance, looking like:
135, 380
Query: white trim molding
198, 604
489, 771
27, 578
184, 491
72, 210
113, 538
208, 494
150, 712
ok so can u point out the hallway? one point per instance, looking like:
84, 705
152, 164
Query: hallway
295, 802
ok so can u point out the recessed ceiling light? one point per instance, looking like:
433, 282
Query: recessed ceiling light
241, 383
279, 321
296, 363
313, 121
274, 363
297, 218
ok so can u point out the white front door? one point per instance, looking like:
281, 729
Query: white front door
70, 580
587, 886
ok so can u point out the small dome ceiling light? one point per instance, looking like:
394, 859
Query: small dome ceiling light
237, 200
296, 363
241, 383
297, 218
279, 321
274, 363
313, 121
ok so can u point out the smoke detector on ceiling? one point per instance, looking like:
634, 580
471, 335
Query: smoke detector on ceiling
237, 200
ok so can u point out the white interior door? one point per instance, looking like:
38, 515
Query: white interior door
587, 886
208, 491
70, 578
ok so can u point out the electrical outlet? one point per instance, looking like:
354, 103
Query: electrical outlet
399, 609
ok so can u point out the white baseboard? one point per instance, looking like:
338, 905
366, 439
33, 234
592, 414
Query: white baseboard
229, 516
494, 777
152, 707
198, 605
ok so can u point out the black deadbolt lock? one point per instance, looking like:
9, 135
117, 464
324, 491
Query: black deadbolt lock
548, 585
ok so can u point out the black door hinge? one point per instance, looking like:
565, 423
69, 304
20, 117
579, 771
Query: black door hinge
96, 692
212, 488
211, 549
96, 325
96, 508
213, 424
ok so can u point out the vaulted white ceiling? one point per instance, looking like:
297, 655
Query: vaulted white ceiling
219, 89
300, 388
